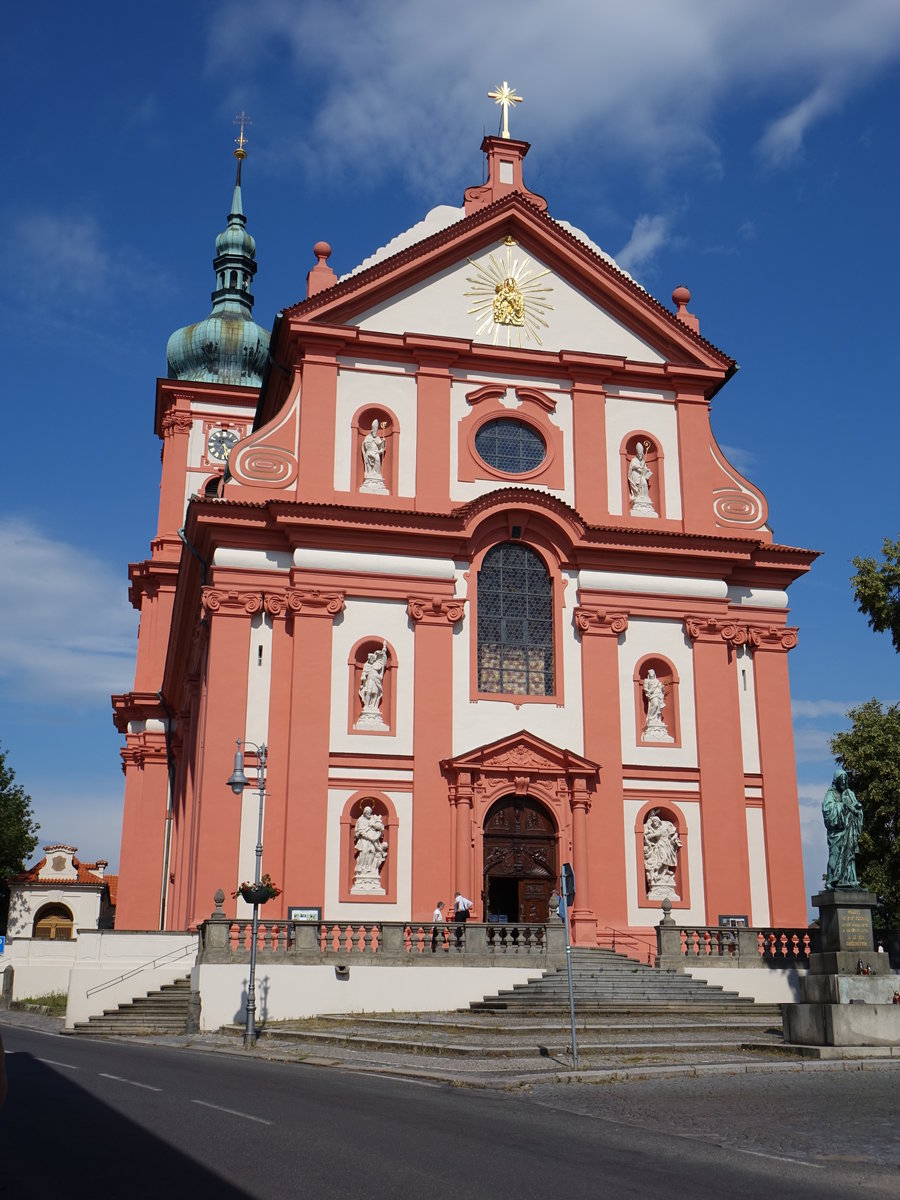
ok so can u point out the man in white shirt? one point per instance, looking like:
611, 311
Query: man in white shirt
461, 910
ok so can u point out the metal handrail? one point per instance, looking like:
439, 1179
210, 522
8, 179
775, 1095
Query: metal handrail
173, 956
630, 937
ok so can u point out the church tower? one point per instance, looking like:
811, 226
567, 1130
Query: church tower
206, 405
483, 583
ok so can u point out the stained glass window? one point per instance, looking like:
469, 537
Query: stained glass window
515, 622
510, 446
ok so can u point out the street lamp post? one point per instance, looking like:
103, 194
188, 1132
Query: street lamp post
237, 782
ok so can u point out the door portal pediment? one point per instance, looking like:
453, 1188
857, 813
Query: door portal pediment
521, 754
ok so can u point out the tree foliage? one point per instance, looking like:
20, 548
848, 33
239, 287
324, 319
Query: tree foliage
18, 828
870, 754
876, 586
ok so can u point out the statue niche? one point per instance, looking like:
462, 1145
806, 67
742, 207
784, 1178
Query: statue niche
375, 441
661, 847
642, 464
371, 850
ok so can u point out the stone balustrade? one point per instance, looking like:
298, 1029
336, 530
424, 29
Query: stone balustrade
679, 948
224, 940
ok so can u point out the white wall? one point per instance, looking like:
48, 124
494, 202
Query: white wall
40, 966
658, 418
25, 901
286, 991
148, 960
666, 637
746, 686
767, 985
360, 910
256, 730
696, 914
364, 617
460, 408
442, 305
759, 874
392, 387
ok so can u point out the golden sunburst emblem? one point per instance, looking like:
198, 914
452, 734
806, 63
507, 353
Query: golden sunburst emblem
509, 296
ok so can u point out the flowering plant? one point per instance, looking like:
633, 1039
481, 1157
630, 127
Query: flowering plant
266, 888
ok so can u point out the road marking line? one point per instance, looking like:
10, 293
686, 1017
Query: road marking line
232, 1112
53, 1063
800, 1162
134, 1083
399, 1079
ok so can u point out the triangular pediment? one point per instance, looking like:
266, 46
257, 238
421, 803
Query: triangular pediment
511, 276
522, 752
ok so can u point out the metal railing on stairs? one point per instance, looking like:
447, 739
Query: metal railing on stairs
164, 960
633, 941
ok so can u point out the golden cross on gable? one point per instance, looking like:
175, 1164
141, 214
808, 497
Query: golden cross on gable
240, 141
505, 96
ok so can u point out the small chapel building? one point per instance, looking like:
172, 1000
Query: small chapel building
458, 546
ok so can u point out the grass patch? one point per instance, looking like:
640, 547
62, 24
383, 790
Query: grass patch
55, 1002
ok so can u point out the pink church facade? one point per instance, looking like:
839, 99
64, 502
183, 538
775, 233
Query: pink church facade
542, 524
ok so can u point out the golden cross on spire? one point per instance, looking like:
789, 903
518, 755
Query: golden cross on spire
505, 96
240, 141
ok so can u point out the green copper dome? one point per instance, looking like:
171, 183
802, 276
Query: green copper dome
228, 346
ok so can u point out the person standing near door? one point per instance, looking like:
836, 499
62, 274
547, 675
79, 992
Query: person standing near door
461, 910
438, 918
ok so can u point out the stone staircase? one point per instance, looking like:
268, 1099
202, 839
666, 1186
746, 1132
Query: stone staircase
161, 1012
602, 979
627, 1015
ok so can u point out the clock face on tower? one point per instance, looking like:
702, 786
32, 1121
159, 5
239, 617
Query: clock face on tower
219, 443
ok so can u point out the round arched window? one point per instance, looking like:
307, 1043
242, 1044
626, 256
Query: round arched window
511, 446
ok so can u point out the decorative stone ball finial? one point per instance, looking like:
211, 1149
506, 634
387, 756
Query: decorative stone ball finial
219, 898
667, 918
322, 251
682, 298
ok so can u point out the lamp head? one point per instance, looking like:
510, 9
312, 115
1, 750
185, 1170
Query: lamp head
237, 781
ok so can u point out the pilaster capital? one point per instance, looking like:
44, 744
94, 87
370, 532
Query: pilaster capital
309, 602
773, 637
174, 422
435, 610
714, 629
230, 603
593, 619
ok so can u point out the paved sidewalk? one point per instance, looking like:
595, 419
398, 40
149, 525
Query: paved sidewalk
516, 1073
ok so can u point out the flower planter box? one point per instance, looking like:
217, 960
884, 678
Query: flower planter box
258, 895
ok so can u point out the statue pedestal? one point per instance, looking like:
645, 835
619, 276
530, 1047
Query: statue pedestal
840, 1006
371, 720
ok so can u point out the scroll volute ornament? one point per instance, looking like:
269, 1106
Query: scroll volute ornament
435, 610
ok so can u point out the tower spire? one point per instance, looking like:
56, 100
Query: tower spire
228, 347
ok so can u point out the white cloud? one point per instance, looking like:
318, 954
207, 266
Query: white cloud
67, 630
55, 253
404, 85
742, 460
647, 236
821, 708
784, 137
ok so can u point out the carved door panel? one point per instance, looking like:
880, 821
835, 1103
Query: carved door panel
520, 860
534, 899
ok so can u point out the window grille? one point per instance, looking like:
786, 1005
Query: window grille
515, 623
510, 446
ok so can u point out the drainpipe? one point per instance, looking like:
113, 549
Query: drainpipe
170, 801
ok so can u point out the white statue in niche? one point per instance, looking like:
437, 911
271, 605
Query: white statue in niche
371, 690
371, 851
661, 846
373, 449
639, 476
655, 729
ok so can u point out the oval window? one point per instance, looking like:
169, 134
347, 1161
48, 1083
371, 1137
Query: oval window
510, 446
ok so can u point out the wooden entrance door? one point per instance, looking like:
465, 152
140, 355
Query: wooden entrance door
520, 860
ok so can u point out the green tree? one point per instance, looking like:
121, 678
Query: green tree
18, 828
876, 586
870, 754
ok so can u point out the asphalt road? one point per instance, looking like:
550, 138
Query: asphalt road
92, 1118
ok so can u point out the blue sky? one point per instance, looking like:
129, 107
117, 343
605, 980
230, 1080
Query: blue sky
748, 150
